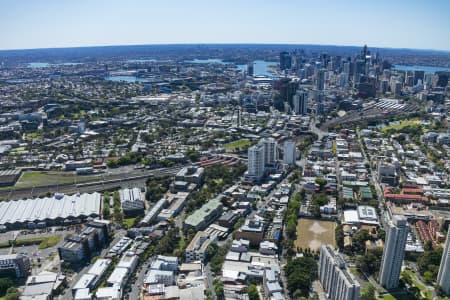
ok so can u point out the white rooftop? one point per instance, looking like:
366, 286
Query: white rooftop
49, 208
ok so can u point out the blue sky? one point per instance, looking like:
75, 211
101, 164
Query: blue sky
379, 23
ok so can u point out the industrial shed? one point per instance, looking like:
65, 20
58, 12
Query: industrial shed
51, 210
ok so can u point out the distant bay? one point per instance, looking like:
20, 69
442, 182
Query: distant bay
426, 69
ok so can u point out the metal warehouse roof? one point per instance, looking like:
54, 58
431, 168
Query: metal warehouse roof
41, 209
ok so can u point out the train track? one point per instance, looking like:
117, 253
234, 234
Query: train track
124, 180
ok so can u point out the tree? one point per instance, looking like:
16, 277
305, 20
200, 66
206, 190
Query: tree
193, 155
359, 240
429, 261
321, 182
106, 211
300, 272
12, 294
371, 261
252, 292
428, 246
339, 235
5, 284
218, 288
368, 292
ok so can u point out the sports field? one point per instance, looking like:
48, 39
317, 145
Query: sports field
313, 233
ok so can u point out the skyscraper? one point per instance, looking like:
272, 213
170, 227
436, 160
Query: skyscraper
394, 252
285, 61
418, 75
250, 69
360, 67
256, 162
300, 100
320, 79
289, 152
443, 279
270, 151
334, 276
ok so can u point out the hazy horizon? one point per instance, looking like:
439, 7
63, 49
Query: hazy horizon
401, 24
230, 44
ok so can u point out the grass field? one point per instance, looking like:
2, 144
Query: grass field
42, 242
129, 222
313, 233
49, 242
38, 178
400, 125
237, 144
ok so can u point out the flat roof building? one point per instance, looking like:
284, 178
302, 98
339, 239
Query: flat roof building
132, 202
17, 263
205, 215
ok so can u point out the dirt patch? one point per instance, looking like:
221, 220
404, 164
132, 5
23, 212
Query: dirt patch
314, 233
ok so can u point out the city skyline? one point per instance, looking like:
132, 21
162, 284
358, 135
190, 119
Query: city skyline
61, 24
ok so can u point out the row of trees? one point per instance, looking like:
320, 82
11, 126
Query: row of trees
291, 215
129, 158
117, 208
216, 255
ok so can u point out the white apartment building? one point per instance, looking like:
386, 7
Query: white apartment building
394, 252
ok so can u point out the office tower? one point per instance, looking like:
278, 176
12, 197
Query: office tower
428, 80
443, 279
394, 252
346, 68
334, 276
343, 80
270, 151
250, 69
359, 70
285, 61
418, 75
320, 79
256, 161
442, 80
300, 100
409, 80
384, 86
289, 153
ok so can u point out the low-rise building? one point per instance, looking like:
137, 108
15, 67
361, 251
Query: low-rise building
205, 215
45, 285
18, 264
87, 243
191, 174
252, 230
132, 202
196, 250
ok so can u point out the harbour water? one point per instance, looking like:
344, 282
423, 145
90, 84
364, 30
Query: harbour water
37, 65
427, 69
261, 67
